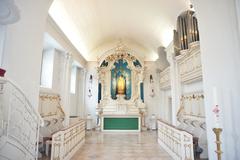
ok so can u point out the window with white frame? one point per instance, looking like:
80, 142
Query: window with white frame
47, 69
73, 79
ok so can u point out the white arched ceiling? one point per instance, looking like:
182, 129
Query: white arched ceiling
95, 26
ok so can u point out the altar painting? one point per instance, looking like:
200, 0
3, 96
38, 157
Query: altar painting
121, 80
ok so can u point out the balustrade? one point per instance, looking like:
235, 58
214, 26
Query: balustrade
67, 141
20, 122
178, 143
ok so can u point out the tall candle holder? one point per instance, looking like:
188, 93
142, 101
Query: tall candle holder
217, 129
218, 142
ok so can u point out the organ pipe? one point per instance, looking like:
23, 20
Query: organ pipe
187, 31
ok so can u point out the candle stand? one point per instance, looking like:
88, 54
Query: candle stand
219, 152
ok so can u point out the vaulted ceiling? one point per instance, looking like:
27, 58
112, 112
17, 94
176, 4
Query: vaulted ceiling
96, 26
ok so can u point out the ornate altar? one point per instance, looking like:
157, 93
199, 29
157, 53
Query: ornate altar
120, 98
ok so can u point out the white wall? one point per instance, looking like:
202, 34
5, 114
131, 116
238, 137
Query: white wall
58, 71
238, 13
56, 33
60, 78
76, 101
152, 103
192, 87
91, 102
57, 57
47, 68
219, 35
165, 106
77, 107
74, 104
165, 96
81, 93
162, 61
24, 45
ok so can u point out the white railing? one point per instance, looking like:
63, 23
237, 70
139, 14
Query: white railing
178, 143
20, 122
66, 142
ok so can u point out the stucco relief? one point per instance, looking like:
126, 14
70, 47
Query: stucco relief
9, 13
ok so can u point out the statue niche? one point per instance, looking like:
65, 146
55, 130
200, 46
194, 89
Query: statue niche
121, 80
121, 85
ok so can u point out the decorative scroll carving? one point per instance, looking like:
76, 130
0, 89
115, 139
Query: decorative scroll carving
49, 105
121, 52
51, 111
192, 105
9, 13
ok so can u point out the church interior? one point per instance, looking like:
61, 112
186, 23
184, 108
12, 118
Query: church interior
118, 79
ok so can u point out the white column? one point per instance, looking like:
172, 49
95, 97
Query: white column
24, 46
2, 40
220, 48
65, 94
163, 105
108, 83
133, 83
175, 83
238, 13
9, 14
82, 89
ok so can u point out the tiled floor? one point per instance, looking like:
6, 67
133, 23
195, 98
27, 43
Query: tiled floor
121, 146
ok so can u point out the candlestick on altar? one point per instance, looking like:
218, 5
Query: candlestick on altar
218, 142
217, 129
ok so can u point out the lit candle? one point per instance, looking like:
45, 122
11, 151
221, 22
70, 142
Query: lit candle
215, 98
216, 117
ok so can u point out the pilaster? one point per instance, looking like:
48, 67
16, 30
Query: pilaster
9, 15
66, 86
175, 82
83, 89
